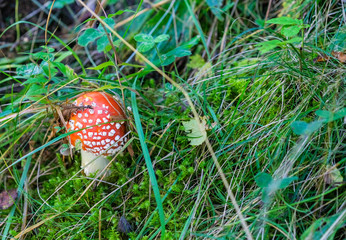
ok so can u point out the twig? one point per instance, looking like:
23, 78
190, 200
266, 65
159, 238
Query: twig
123, 22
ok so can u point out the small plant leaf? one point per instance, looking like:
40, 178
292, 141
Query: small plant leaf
333, 176
167, 60
268, 45
78, 145
283, 183
263, 179
120, 12
196, 135
117, 43
102, 43
290, 31
180, 51
161, 38
37, 79
331, 116
65, 70
59, 3
7, 198
215, 6
89, 36
29, 70
144, 38
48, 69
102, 65
294, 40
285, 21
35, 90
110, 22
44, 56
304, 128
145, 46
196, 61
270, 186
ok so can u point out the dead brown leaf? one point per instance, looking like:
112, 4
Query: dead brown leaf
7, 198
338, 55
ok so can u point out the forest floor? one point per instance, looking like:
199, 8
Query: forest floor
235, 114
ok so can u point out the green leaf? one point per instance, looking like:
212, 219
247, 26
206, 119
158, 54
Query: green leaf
102, 65
196, 62
215, 6
264, 47
283, 183
193, 42
333, 176
263, 179
62, 56
284, 21
49, 49
214, 3
78, 145
119, 13
161, 38
29, 70
338, 42
35, 90
65, 70
88, 36
303, 128
145, 46
110, 22
131, 65
38, 79
180, 51
331, 116
270, 186
69, 73
59, 3
290, 31
144, 38
108, 48
44, 56
196, 135
105, 87
102, 43
48, 68
166, 60
294, 40
117, 43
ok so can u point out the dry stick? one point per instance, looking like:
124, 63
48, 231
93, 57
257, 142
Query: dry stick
50, 12
223, 41
268, 10
123, 22
196, 117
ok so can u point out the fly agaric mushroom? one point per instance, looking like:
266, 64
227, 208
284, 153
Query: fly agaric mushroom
100, 119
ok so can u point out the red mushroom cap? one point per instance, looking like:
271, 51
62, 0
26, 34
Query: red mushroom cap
100, 117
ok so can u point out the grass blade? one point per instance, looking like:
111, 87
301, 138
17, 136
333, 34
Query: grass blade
148, 161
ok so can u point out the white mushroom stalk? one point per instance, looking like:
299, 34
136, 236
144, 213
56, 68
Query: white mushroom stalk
93, 164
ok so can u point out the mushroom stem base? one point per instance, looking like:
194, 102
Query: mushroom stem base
93, 164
